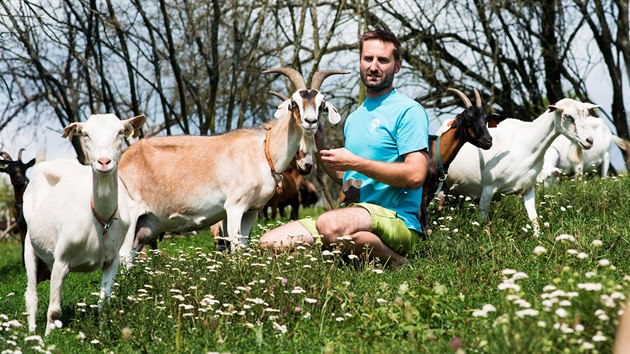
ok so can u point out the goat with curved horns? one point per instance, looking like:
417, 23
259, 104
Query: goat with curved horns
511, 165
183, 183
77, 215
468, 126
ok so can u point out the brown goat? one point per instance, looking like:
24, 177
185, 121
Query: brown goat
289, 195
468, 126
296, 191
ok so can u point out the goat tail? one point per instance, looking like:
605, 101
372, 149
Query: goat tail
621, 142
41, 155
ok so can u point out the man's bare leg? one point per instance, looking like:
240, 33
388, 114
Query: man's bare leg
356, 223
287, 236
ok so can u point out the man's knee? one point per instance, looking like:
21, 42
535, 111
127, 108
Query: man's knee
327, 225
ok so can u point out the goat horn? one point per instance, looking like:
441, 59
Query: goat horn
296, 78
279, 95
20, 154
477, 98
5, 156
320, 76
461, 95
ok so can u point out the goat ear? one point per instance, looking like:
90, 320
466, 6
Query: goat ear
30, 163
333, 115
72, 129
552, 108
133, 125
283, 109
591, 106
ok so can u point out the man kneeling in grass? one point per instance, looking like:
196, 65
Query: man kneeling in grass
381, 167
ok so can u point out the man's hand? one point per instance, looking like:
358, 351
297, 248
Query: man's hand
340, 159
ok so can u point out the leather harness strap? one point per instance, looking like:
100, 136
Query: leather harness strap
277, 176
441, 173
104, 224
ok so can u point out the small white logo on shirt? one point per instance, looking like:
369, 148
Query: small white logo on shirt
375, 123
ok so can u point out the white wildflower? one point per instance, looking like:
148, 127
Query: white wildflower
509, 285
508, 271
597, 243
34, 338
519, 275
562, 313
590, 286
526, 312
565, 237
280, 328
538, 250
564, 303
489, 308
480, 313
298, 290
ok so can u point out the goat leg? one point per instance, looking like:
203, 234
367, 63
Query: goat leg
30, 296
58, 275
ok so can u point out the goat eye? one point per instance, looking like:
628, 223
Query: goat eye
568, 116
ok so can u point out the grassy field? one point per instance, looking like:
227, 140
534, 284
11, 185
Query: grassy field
463, 291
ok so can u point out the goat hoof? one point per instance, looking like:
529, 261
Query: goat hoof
222, 245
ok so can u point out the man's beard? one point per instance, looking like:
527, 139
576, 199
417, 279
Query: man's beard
386, 80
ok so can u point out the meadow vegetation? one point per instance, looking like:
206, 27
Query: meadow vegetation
464, 290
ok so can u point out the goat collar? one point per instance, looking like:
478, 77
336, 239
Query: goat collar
277, 176
441, 173
105, 224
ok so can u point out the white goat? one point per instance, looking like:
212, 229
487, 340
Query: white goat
511, 165
565, 157
182, 183
77, 217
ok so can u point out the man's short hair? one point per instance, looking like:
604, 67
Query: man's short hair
382, 35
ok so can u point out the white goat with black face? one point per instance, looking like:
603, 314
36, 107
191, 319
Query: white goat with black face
183, 183
511, 165
77, 215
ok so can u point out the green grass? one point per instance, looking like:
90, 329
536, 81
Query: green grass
192, 299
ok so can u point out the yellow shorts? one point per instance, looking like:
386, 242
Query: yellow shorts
392, 230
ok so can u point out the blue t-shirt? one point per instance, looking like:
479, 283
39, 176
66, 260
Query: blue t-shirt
385, 128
